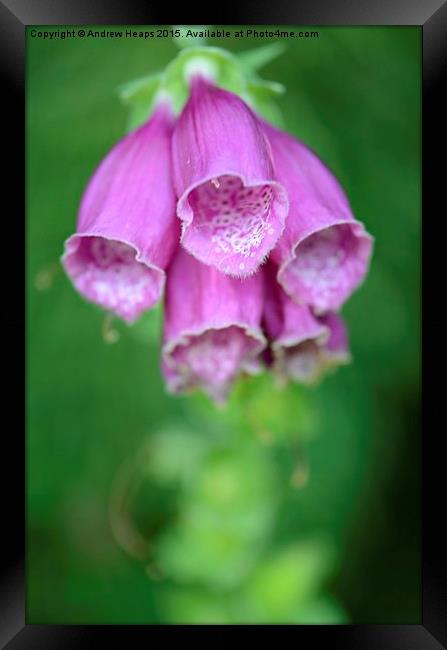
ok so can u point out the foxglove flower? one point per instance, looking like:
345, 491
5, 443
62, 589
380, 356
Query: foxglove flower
336, 349
323, 254
127, 229
231, 208
303, 347
212, 329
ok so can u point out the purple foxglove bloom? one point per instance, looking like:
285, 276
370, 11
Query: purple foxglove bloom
336, 348
303, 346
212, 329
231, 207
323, 254
127, 229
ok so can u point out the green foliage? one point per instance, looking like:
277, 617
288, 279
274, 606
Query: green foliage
227, 515
290, 504
236, 75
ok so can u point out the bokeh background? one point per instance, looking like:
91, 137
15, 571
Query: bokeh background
296, 505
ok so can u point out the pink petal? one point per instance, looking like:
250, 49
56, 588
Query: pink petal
212, 327
127, 229
324, 252
336, 348
295, 335
231, 208
303, 347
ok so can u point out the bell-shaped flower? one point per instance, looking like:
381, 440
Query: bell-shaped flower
323, 254
212, 328
127, 228
336, 349
231, 207
303, 347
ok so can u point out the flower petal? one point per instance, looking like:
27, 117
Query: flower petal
303, 347
324, 252
231, 208
336, 348
295, 335
127, 230
212, 327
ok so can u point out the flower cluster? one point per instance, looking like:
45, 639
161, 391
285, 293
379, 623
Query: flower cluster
242, 228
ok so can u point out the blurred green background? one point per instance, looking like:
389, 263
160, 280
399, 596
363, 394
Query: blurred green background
300, 505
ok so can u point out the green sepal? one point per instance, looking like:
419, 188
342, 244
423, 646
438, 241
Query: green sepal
234, 73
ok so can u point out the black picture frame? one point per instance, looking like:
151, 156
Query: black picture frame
15, 16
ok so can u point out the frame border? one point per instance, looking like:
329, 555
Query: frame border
431, 16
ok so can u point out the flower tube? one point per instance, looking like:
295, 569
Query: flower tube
323, 254
303, 346
127, 229
231, 207
212, 328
